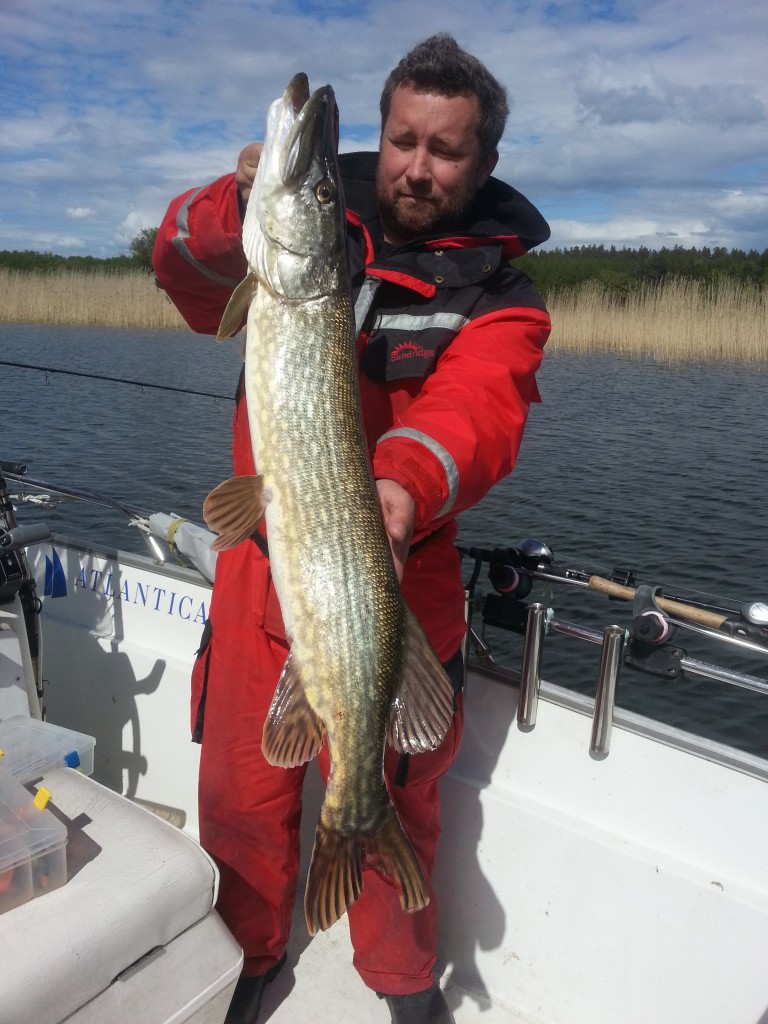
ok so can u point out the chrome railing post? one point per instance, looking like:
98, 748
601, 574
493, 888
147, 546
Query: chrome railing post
605, 699
530, 676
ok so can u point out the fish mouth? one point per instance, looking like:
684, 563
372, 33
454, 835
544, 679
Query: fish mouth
314, 135
297, 92
298, 165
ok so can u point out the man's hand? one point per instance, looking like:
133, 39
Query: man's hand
247, 163
399, 511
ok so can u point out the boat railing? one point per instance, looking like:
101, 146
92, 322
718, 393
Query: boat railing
649, 644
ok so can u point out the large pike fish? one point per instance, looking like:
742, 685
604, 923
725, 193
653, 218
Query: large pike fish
360, 670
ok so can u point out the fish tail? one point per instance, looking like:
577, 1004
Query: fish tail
335, 877
336, 871
389, 852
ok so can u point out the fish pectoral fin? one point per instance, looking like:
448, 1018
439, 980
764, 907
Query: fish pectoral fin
293, 733
236, 312
422, 708
335, 872
234, 509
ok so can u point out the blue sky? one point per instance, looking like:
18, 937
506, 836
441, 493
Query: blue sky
632, 123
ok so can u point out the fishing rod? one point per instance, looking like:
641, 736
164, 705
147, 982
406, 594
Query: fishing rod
646, 647
115, 380
138, 517
512, 572
18, 472
535, 559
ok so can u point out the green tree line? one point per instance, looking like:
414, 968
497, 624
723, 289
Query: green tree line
617, 270
622, 270
138, 257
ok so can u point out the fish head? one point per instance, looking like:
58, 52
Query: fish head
294, 227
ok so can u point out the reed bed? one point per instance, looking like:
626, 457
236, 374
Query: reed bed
678, 320
99, 298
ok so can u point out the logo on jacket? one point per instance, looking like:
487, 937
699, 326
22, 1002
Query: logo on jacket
409, 350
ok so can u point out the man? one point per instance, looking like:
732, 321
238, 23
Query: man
450, 338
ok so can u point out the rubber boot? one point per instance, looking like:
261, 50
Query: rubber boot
246, 1001
428, 1007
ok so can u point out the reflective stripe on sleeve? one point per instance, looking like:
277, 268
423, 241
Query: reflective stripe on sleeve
408, 322
180, 244
440, 453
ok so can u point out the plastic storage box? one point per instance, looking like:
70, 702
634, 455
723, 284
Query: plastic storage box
33, 845
31, 748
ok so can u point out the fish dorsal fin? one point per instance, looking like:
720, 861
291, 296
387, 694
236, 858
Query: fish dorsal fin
236, 312
234, 509
422, 708
293, 734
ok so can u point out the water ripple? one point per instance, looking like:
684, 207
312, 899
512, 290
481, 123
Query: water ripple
654, 467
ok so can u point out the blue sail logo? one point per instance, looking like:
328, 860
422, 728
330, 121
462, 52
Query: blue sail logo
55, 580
111, 583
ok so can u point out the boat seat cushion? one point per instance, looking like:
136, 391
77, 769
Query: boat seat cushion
134, 883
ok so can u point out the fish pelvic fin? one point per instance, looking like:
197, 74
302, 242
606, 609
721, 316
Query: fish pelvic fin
422, 708
234, 509
293, 733
236, 313
335, 874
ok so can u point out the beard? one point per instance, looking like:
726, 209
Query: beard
405, 219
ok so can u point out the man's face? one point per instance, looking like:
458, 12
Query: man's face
429, 163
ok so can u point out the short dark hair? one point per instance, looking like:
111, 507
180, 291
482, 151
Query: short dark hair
439, 64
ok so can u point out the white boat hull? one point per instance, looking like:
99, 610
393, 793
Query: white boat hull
632, 888
120, 635
574, 889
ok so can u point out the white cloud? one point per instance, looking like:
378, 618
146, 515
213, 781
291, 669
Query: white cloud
52, 242
645, 121
130, 226
628, 232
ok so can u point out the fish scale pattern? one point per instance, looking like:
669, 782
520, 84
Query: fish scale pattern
334, 574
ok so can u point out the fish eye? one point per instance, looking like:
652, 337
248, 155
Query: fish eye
325, 192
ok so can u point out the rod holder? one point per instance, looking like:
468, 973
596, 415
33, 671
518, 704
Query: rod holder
605, 698
530, 676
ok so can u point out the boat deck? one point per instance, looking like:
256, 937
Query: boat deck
319, 971
319, 974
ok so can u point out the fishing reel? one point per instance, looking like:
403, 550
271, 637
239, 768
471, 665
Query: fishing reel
649, 623
649, 647
511, 574
656, 619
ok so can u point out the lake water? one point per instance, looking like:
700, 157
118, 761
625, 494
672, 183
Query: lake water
657, 468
